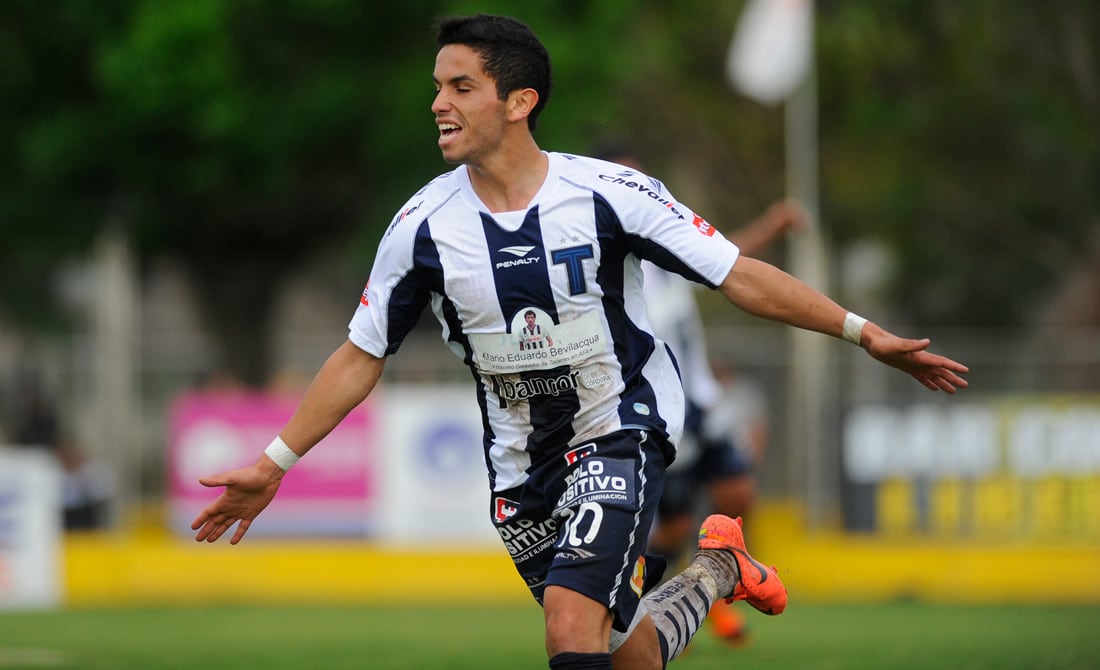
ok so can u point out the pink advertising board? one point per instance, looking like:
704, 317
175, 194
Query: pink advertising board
332, 492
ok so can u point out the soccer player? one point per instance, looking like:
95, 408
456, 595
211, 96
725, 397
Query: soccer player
577, 436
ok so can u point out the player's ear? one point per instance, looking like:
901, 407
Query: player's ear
521, 102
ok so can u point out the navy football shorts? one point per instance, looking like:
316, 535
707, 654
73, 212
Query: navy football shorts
582, 521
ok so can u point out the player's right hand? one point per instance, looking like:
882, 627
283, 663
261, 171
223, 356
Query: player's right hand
247, 492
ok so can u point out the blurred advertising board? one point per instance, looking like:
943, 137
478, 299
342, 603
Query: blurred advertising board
435, 483
331, 492
406, 465
1012, 467
30, 529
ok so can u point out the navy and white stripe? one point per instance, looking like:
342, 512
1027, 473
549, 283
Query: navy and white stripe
574, 253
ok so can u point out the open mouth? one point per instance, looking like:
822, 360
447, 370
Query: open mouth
449, 129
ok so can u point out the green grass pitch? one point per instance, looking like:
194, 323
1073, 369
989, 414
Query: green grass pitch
445, 637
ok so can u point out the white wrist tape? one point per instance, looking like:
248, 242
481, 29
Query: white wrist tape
281, 454
853, 328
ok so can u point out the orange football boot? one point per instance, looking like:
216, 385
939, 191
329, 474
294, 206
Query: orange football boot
759, 585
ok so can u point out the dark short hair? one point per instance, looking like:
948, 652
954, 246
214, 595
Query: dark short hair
510, 53
530, 312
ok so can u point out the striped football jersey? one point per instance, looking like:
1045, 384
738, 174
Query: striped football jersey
546, 305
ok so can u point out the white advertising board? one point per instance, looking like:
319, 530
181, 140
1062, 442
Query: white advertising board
30, 529
434, 481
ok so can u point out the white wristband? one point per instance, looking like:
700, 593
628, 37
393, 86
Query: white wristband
853, 328
281, 454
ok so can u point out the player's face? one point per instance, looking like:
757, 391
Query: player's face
470, 116
530, 319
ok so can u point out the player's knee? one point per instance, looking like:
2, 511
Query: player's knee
568, 631
575, 623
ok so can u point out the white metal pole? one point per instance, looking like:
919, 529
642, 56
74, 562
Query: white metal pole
808, 398
114, 367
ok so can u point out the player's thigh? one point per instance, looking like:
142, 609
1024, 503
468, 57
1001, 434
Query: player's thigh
529, 532
605, 506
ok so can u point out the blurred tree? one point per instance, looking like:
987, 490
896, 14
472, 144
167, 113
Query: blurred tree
230, 134
964, 135
238, 135
960, 135
45, 85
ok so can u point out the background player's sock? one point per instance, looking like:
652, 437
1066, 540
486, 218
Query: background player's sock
572, 660
680, 605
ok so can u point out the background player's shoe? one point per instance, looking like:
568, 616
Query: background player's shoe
727, 623
759, 585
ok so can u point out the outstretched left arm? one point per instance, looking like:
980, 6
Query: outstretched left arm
766, 291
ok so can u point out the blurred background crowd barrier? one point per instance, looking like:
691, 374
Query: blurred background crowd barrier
995, 470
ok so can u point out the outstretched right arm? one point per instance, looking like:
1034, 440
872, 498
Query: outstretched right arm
344, 381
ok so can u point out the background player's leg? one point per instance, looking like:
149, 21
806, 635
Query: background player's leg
732, 491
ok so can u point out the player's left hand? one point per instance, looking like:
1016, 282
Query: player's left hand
935, 372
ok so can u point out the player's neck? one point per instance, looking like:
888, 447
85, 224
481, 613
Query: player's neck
509, 180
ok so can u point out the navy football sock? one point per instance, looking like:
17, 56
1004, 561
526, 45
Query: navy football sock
572, 660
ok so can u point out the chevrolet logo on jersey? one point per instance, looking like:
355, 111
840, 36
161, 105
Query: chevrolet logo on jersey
642, 188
